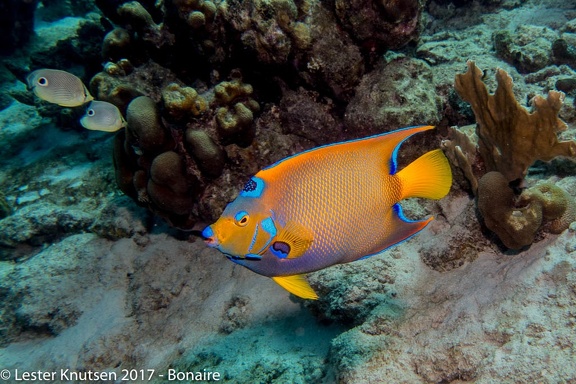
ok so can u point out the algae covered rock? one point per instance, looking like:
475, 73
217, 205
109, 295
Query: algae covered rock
306, 114
528, 48
387, 24
265, 27
122, 218
348, 294
334, 62
39, 223
395, 94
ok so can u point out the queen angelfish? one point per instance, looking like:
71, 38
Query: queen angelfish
330, 205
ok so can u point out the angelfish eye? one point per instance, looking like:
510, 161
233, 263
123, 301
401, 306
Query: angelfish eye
43, 81
241, 218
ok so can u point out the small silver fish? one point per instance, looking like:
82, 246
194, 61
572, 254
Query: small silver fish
58, 87
102, 116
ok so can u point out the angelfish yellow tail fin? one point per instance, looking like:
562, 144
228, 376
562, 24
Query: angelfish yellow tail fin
429, 176
296, 285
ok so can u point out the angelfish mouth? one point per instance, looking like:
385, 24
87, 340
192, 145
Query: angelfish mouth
209, 237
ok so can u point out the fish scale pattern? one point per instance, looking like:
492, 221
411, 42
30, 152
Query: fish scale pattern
343, 199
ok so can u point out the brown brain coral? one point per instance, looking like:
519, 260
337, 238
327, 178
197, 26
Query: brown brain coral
516, 219
516, 226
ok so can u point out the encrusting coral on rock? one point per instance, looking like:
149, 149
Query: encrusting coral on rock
381, 24
175, 130
265, 27
182, 102
134, 14
236, 115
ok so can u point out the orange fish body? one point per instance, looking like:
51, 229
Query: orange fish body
330, 205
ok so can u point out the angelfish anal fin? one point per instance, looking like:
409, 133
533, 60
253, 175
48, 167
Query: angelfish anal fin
297, 237
296, 285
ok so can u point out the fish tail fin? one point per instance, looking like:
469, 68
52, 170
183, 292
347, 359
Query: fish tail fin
297, 285
429, 176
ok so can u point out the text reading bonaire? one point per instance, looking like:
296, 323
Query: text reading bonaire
125, 375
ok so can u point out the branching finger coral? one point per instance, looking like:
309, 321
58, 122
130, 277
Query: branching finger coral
510, 137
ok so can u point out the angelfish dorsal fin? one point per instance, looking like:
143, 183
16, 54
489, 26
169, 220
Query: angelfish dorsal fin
296, 285
296, 237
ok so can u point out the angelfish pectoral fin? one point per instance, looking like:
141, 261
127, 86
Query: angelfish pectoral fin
293, 238
297, 285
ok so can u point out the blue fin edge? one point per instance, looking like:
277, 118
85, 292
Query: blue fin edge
397, 208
